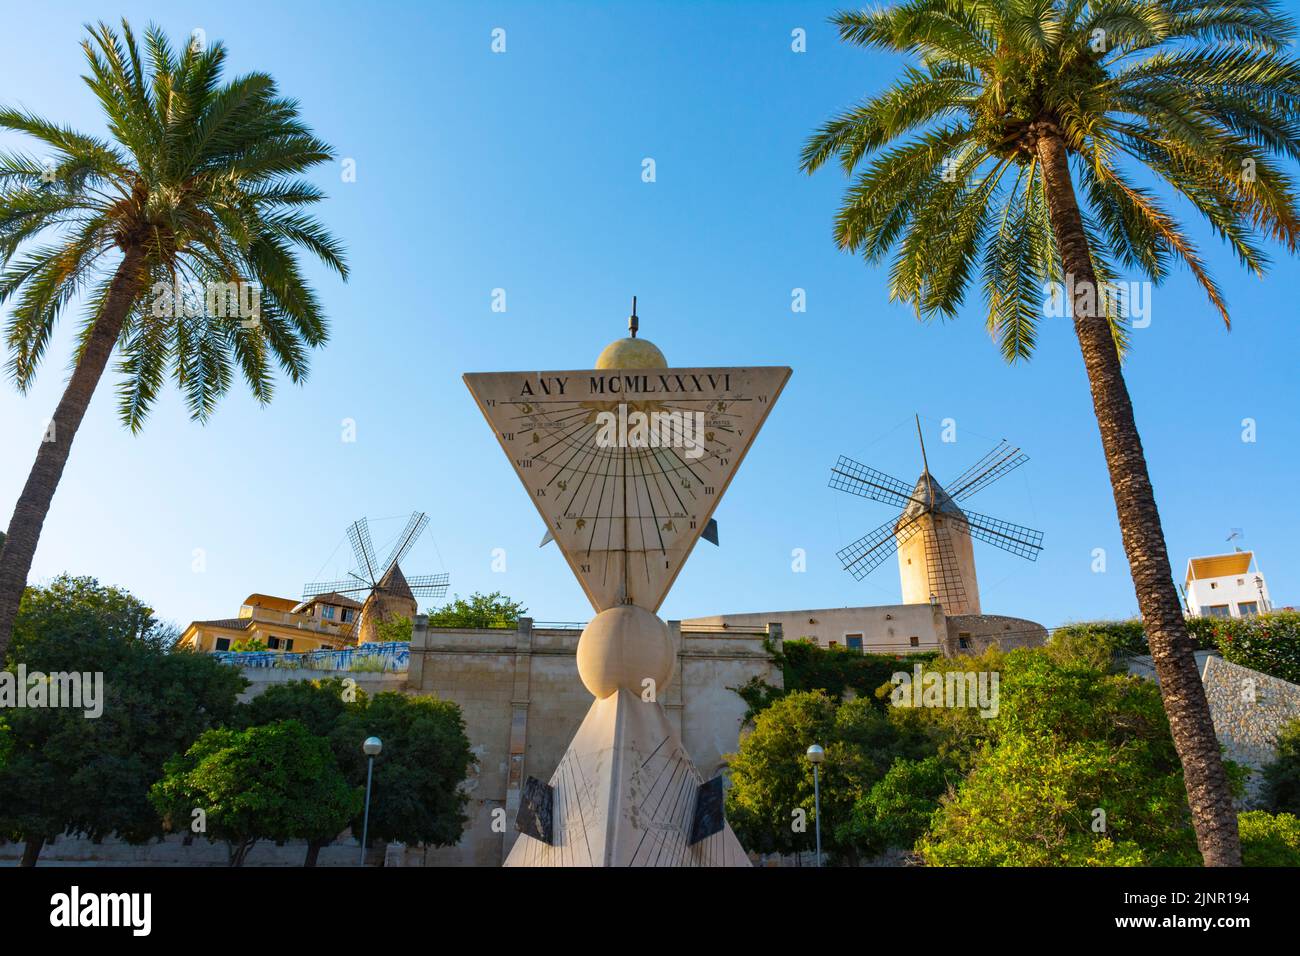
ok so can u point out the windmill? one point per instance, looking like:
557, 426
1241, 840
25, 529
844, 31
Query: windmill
932, 534
382, 589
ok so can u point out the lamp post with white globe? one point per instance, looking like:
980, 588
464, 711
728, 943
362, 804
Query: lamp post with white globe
372, 748
815, 757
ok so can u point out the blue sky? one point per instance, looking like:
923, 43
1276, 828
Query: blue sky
522, 171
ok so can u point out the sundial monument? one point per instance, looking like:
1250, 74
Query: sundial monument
626, 463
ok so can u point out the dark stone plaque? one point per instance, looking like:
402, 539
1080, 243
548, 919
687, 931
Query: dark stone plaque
534, 817
709, 818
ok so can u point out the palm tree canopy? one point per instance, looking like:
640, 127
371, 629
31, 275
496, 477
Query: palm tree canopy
1199, 95
200, 179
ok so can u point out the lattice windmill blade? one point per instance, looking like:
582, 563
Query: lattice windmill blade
406, 540
347, 587
980, 465
857, 479
429, 585
1019, 540
363, 549
1002, 460
871, 550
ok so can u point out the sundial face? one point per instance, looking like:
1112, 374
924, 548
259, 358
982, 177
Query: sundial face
627, 465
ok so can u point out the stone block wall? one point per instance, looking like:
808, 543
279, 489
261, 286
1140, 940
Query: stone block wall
1249, 710
523, 701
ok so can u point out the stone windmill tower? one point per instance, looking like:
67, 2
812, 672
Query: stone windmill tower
932, 534
384, 591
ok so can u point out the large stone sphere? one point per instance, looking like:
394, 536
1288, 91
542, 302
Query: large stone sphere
623, 646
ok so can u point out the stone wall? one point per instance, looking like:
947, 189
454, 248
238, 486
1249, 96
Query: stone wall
975, 633
523, 701
884, 629
1249, 709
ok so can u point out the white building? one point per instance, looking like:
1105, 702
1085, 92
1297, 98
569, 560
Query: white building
1226, 585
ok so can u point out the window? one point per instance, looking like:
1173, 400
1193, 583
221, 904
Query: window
963, 640
914, 641
223, 644
1248, 608
273, 643
347, 614
288, 643
327, 612
1217, 610
854, 641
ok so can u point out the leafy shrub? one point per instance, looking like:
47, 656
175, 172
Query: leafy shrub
772, 780
1070, 740
1268, 642
1122, 637
1269, 840
1281, 792
493, 610
899, 806
807, 666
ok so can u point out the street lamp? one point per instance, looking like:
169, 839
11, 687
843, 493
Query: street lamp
815, 757
371, 748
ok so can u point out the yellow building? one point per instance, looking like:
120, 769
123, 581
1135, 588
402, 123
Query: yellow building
325, 622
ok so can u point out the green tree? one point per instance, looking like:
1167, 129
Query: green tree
417, 795
426, 757
979, 158
317, 705
91, 775
397, 628
1079, 768
771, 795
898, 808
196, 191
275, 782
481, 610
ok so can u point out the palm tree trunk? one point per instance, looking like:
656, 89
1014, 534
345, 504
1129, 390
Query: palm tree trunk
34, 502
1208, 794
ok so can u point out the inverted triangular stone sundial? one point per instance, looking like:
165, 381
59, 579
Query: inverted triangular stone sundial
627, 465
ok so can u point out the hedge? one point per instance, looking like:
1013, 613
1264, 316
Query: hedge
1269, 643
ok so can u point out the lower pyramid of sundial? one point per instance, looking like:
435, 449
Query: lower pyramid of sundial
626, 464
626, 794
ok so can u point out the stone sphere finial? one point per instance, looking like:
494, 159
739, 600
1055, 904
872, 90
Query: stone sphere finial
622, 647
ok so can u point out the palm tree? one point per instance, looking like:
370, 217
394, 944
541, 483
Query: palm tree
980, 157
181, 236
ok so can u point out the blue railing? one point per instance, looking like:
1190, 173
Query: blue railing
389, 657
